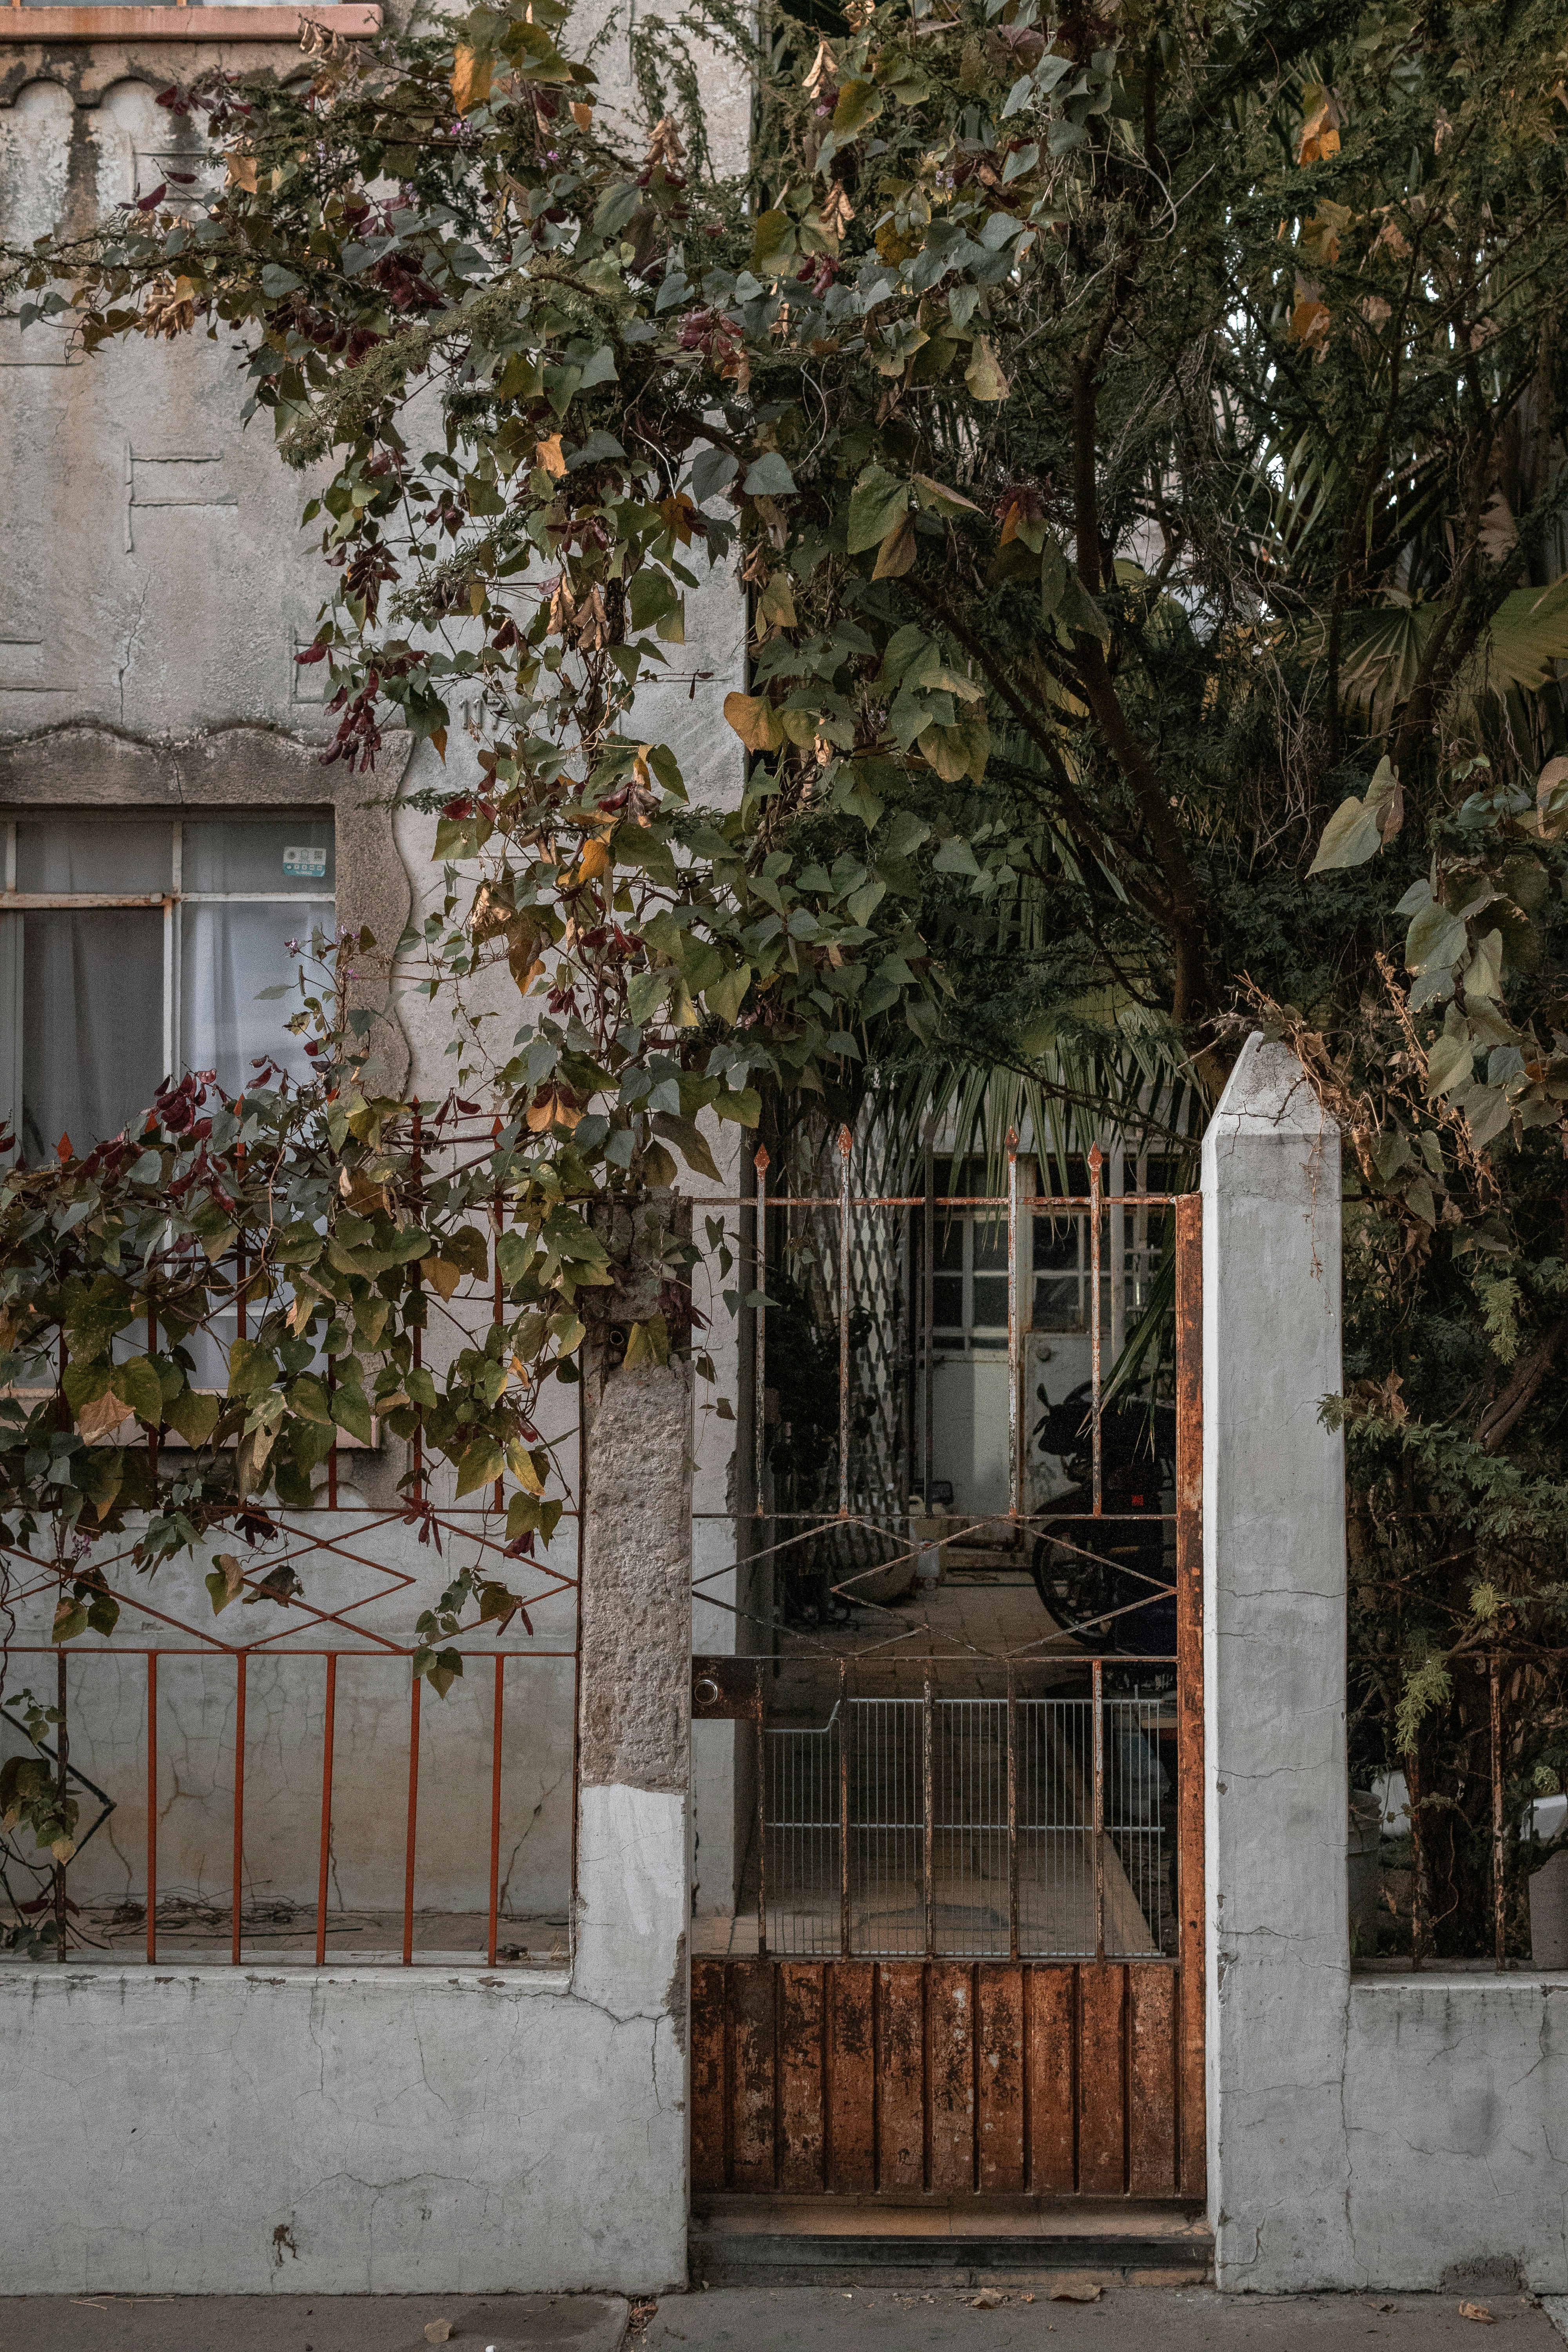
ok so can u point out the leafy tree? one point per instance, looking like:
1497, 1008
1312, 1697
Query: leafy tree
1137, 431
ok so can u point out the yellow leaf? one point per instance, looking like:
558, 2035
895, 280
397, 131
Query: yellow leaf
775, 605
755, 721
548, 454
940, 490
582, 115
242, 172
1309, 320
443, 1274
1319, 131
897, 553
595, 860
983, 375
101, 1419
470, 80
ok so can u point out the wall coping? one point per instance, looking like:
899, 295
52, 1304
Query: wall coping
201, 1975
1477, 1981
180, 23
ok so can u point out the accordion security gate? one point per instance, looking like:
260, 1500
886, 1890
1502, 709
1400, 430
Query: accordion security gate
978, 1882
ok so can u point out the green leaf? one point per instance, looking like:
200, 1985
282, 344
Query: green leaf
193, 1413
309, 1396
954, 857
689, 1141
744, 1106
351, 1411
1449, 1063
768, 477
251, 1368
137, 1384
1358, 828
726, 996
1437, 937
1076, 609
876, 505
479, 1465
647, 1343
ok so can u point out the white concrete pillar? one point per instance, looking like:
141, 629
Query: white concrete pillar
1274, 1656
634, 1772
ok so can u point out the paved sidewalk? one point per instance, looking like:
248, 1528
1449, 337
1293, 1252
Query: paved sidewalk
782, 2319
1122, 2319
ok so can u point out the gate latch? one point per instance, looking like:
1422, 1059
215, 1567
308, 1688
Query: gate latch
726, 1690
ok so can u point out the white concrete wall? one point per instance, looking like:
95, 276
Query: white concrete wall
347, 2131
401, 2128
1364, 2132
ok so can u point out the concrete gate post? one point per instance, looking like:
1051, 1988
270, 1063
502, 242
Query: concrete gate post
1274, 1662
634, 1776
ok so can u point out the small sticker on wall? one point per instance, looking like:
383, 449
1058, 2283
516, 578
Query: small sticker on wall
309, 865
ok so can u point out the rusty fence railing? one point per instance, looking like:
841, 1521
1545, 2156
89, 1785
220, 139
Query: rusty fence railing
379, 1781
225, 1739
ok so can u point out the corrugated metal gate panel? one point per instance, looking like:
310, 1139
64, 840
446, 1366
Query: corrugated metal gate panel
860, 2076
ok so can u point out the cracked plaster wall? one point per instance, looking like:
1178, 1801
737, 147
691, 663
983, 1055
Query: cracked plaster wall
410, 2131
1372, 2132
400, 2129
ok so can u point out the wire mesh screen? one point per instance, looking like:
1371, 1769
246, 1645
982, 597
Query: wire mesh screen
969, 1827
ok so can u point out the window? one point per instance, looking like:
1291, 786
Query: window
969, 1264
134, 947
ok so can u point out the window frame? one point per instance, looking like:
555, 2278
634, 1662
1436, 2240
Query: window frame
19, 903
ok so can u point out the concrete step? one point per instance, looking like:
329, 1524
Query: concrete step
834, 2241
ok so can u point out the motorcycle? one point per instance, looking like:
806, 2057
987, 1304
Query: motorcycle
1100, 1577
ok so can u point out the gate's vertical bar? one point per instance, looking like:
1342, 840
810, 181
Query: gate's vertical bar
927, 1308
1190, 1688
1499, 1923
1097, 1831
332, 1449
928, 1729
329, 1736
760, 1328
495, 1793
1094, 1168
416, 1461
498, 1308
413, 1823
1012, 1814
1417, 1860
1014, 1343
239, 1665
762, 1817
844, 1293
843, 1807
152, 1807
62, 1773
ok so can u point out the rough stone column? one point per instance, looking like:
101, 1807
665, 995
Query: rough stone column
634, 1764
1274, 1575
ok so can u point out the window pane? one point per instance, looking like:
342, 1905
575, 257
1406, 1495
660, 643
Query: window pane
92, 1023
291, 854
947, 1302
1056, 1242
991, 1301
991, 1243
948, 1240
1057, 1304
93, 852
228, 954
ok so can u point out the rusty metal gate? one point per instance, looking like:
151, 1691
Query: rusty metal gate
970, 1957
